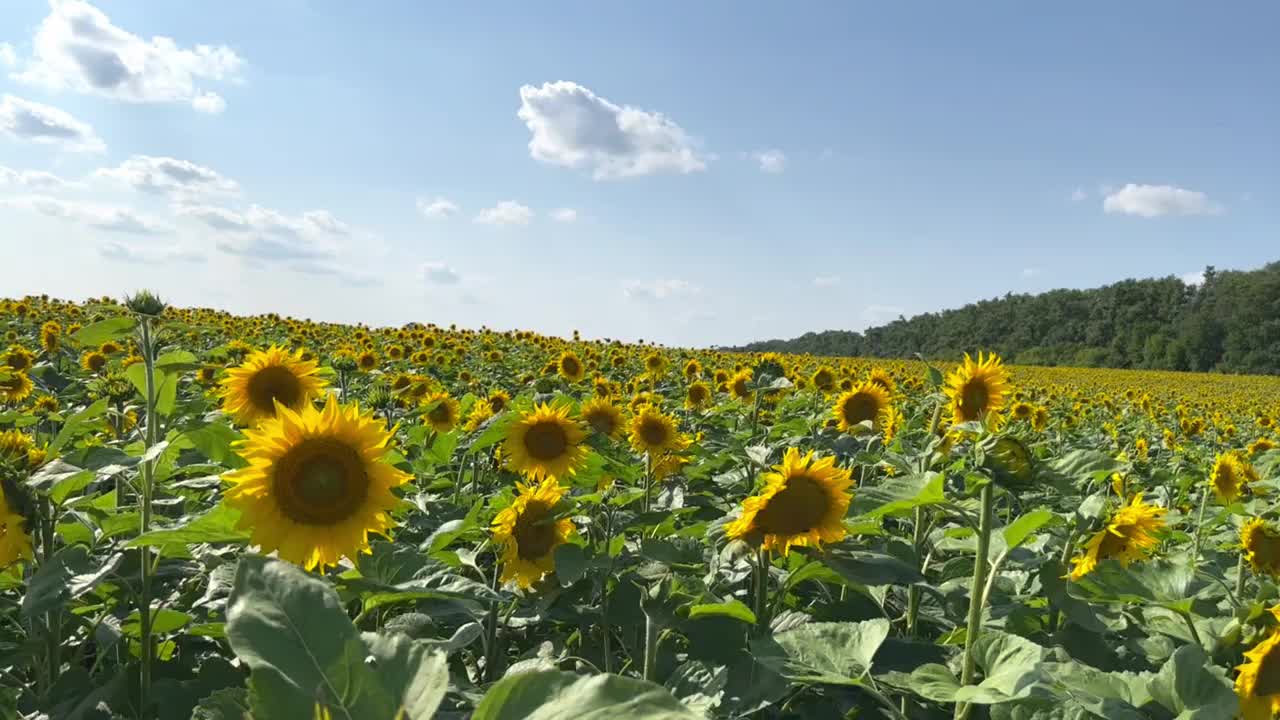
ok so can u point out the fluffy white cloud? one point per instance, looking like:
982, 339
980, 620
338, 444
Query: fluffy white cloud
437, 208
8, 58
1151, 201
826, 280
264, 234
34, 179
437, 273
78, 48
102, 217
564, 215
169, 176
35, 122
507, 212
120, 252
575, 128
345, 275
771, 161
663, 289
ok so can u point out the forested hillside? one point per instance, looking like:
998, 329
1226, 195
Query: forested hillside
1228, 323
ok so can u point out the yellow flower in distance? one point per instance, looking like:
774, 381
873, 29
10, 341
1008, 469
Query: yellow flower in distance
653, 432
865, 402
603, 417
529, 532
15, 387
977, 389
316, 483
803, 503
442, 413
545, 443
250, 392
15, 544
1128, 536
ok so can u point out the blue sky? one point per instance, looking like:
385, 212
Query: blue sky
691, 173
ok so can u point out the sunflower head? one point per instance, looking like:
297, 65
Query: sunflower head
267, 379
14, 387
570, 366
529, 530
1129, 535
977, 389
803, 503
603, 417
498, 400
864, 402
1227, 478
18, 358
15, 544
655, 364
1260, 544
545, 443
654, 432
480, 413
824, 380
697, 395
367, 360
441, 412
316, 483
881, 377
1258, 684
692, 369
740, 384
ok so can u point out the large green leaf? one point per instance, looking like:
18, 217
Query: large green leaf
1011, 667
104, 330
869, 568
71, 573
225, 704
735, 609
838, 653
216, 526
897, 496
166, 385
289, 628
1190, 683
1170, 584
556, 695
77, 425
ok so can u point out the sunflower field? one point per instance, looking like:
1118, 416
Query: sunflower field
212, 517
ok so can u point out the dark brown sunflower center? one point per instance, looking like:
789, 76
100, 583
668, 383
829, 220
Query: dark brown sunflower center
274, 382
1113, 545
698, 393
321, 481
797, 508
824, 380
546, 441
974, 397
1268, 682
860, 408
497, 402
740, 388
570, 366
602, 421
535, 531
653, 432
440, 413
96, 361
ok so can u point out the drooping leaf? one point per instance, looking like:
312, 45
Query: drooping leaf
104, 330
837, 653
557, 695
216, 526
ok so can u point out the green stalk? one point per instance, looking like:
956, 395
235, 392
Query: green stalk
913, 592
53, 621
144, 600
491, 628
650, 648
1195, 547
604, 594
648, 480
977, 594
762, 588
1240, 575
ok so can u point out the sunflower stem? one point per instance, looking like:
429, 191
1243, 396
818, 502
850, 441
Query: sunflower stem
648, 480
977, 594
762, 587
52, 620
144, 599
913, 592
491, 629
1195, 546
1240, 574
650, 648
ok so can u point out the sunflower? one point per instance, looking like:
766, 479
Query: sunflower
93, 361
545, 443
443, 412
1023, 410
570, 367
697, 395
1040, 419
865, 402
651, 431
603, 417
367, 360
15, 387
15, 545
881, 377
1261, 666
251, 391
1128, 536
692, 369
1227, 478
498, 400
655, 363
480, 413
46, 405
803, 503
1260, 445
18, 358
529, 532
977, 389
109, 348
316, 483
16, 448
50, 336
1260, 544
740, 384
824, 379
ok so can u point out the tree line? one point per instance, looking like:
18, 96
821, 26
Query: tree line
1228, 322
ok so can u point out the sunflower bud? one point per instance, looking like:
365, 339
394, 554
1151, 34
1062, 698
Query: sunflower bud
146, 303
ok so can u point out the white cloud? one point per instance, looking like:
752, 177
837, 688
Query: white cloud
771, 161
826, 280
1151, 201
438, 207
345, 275
659, 289
1078, 195
1193, 278
34, 179
34, 122
880, 314
169, 176
102, 217
77, 47
270, 235
1030, 272
437, 273
8, 58
575, 128
148, 255
507, 212
564, 215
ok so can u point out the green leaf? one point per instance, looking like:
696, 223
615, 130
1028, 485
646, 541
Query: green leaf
570, 563
216, 526
224, 704
1170, 584
1011, 668
104, 330
68, 575
557, 695
735, 609
869, 568
897, 496
1189, 681
214, 441
1019, 530
76, 425
838, 653
1083, 465
166, 385
290, 629
60, 480
163, 620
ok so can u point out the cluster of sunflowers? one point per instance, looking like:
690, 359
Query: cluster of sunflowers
511, 455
